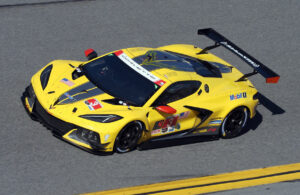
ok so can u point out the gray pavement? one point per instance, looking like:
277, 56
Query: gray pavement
284, 188
34, 162
16, 3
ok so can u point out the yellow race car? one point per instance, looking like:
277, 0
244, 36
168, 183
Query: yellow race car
124, 98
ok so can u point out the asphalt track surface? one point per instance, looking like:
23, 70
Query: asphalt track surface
31, 35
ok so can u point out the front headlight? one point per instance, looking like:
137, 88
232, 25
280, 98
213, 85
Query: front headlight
45, 76
102, 118
88, 136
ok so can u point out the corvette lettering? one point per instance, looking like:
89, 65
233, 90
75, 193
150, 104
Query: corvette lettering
138, 68
225, 44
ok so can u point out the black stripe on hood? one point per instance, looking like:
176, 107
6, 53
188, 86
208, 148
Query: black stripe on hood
81, 92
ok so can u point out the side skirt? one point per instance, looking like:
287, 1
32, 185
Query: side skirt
211, 130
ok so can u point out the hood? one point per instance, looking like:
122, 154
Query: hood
64, 93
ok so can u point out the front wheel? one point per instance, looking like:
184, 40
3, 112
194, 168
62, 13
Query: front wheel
234, 122
128, 137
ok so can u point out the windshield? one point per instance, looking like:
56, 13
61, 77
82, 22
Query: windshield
116, 78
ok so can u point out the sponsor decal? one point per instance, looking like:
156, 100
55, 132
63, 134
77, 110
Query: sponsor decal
184, 115
170, 124
215, 122
138, 68
67, 82
205, 130
212, 129
158, 125
154, 132
93, 104
225, 44
238, 96
167, 125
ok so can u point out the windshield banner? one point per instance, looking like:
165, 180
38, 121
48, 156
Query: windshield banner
138, 68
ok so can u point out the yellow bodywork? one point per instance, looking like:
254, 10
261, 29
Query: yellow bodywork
217, 100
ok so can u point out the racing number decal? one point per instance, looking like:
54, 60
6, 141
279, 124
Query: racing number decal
166, 125
93, 104
169, 124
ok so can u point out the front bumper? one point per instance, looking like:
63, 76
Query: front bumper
59, 128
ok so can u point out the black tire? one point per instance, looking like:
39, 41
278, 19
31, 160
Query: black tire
128, 137
234, 123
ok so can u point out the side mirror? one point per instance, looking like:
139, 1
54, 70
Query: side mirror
90, 54
166, 109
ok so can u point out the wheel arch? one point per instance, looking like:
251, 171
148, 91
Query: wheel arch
231, 108
229, 113
140, 139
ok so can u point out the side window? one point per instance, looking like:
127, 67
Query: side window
177, 91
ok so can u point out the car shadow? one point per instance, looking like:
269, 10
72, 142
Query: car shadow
176, 142
268, 104
252, 124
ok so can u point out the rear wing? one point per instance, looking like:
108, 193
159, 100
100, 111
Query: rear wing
220, 40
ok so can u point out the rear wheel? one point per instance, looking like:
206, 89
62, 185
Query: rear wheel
234, 122
128, 137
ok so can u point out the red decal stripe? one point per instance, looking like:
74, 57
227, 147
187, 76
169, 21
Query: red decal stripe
117, 53
160, 82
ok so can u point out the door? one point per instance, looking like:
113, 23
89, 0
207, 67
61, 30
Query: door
175, 96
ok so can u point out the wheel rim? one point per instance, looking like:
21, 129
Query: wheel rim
234, 122
129, 137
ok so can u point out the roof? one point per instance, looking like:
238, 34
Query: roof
175, 66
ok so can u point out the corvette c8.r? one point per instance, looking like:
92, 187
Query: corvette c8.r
124, 98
